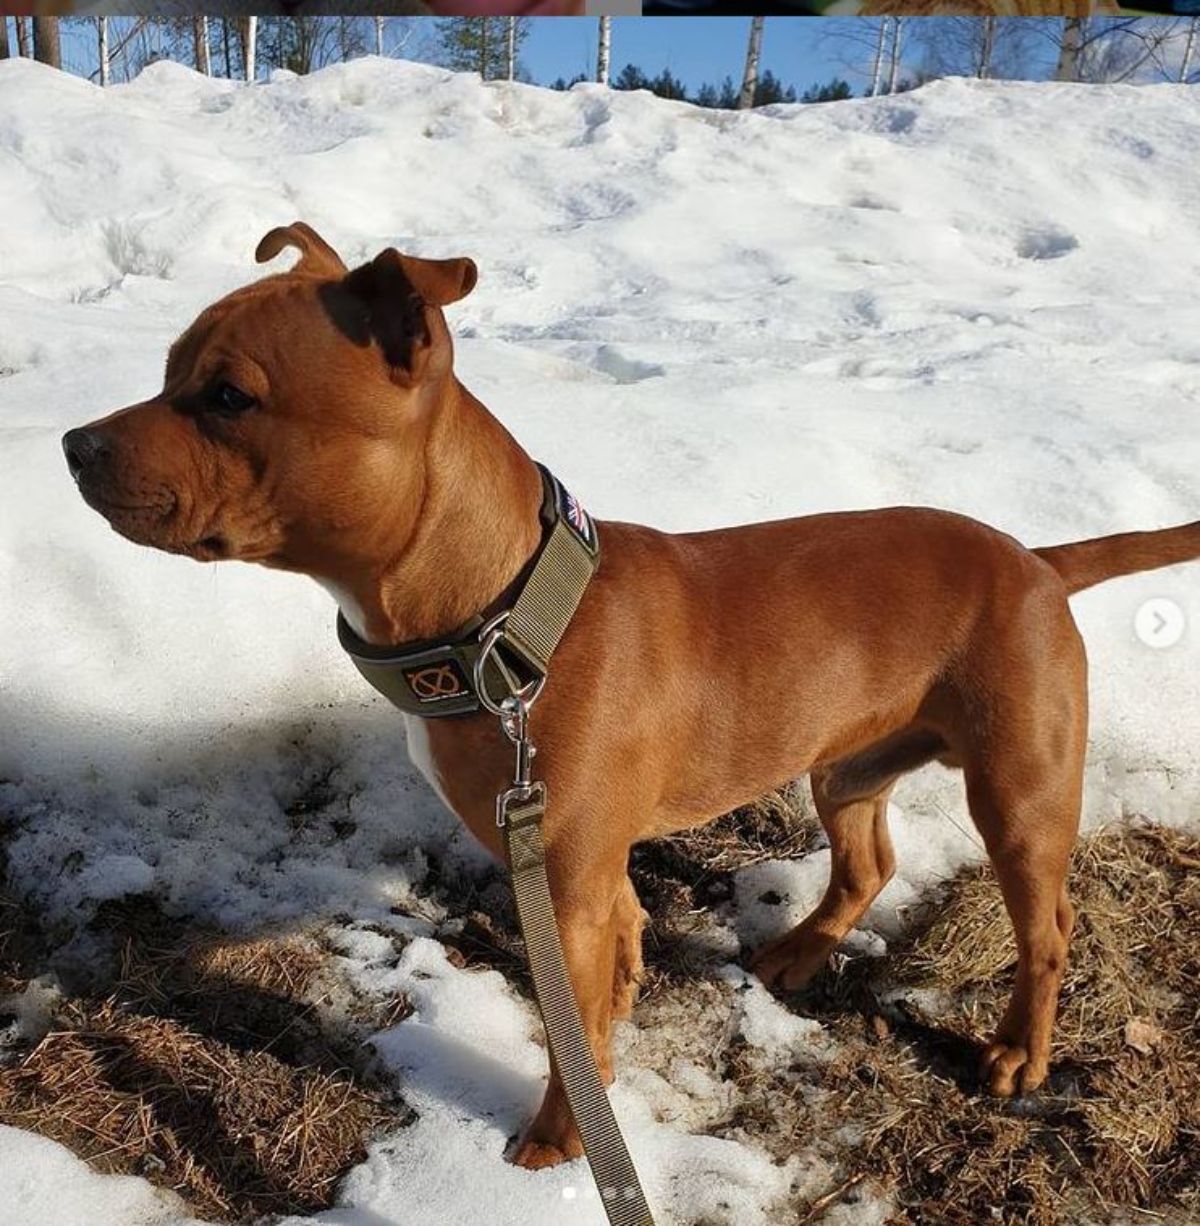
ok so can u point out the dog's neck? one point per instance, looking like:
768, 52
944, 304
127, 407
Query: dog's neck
476, 526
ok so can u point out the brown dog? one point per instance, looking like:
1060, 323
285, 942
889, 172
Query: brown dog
312, 421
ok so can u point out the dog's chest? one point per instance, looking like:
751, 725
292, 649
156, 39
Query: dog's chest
420, 753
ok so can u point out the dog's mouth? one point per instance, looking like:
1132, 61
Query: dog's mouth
146, 519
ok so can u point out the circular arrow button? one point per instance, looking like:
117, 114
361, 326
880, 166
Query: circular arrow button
1160, 623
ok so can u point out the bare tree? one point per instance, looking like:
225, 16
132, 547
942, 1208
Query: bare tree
251, 39
23, 47
510, 50
46, 46
102, 48
897, 40
4, 51
200, 44
753, 55
1189, 49
987, 48
1111, 49
604, 52
378, 34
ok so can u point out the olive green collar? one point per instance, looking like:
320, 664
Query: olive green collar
436, 678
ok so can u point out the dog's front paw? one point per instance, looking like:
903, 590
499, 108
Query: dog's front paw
1009, 1069
536, 1155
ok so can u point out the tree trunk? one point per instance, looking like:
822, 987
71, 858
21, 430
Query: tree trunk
897, 39
1189, 49
378, 35
4, 51
102, 50
251, 41
228, 48
988, 48
753, 55
483, 48
22, 37
511, 49
200, 45
604, 54
1069, 48
46, 47
877, 71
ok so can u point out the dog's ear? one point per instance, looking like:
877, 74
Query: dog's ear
439, 282
389, 303
316, 255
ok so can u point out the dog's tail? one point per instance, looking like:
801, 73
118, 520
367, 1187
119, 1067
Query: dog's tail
1085, 563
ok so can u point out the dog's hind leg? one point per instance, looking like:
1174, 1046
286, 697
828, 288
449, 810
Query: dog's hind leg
1023, 756
851, 797
862, 862
1029, 838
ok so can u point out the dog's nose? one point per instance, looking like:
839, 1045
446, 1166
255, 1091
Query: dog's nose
82, 448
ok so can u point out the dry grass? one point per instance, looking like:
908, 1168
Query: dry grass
238, 1134
1117, 1127
205, 1069
208, 1067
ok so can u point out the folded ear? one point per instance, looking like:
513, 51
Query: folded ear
390, 297
438, 282
316, 255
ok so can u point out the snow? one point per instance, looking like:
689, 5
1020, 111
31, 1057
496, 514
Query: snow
44, 1184
978, 296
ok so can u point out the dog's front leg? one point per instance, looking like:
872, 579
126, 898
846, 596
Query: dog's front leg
586, 907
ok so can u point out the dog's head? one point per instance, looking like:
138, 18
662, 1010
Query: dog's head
293, 413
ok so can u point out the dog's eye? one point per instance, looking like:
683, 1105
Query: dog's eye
230, 399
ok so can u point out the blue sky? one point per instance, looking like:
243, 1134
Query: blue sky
801, 51
696, 49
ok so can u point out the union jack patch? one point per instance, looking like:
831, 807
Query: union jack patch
577, 519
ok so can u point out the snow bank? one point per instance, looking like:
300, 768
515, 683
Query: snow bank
978, 296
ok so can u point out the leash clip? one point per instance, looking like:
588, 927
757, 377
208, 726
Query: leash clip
513, 712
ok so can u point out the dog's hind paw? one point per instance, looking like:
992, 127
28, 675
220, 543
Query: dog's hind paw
789, 962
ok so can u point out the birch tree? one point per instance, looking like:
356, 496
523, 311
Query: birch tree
251, 39
1189, 49
897, 40
604, 52
753, 55
510, 48
378, 34
102, 49
877, 70
46, 46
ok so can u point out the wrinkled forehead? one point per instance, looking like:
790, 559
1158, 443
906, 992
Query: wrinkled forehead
248, 320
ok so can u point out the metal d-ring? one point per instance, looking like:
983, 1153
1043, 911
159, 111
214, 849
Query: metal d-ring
514, 707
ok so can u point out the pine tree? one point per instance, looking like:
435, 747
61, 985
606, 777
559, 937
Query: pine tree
770, 90
479, 44
632, 77
833, 91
